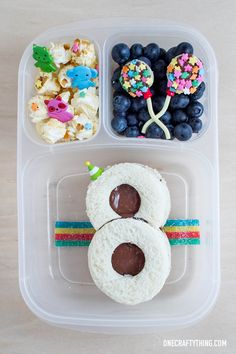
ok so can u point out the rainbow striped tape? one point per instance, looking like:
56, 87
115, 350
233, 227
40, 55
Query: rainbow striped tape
80, 233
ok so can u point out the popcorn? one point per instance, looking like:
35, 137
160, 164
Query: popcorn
65, 95
70, 109
37, 108
86, 101
85, 55
61, 53
81, 126
46, 84
63, 79
51, 130
55, 97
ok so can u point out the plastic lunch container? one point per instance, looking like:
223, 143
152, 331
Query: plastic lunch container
52, 181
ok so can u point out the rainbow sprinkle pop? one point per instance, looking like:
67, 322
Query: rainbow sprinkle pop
80, 233
136, 78
184, 73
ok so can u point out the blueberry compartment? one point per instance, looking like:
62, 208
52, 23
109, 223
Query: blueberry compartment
165, 39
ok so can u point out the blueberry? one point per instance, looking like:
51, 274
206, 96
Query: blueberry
132, 119
152, 51
132, 132
196, 124
136, 50
141, 124
116, 74
162, 53
143, 115
183, 131
166, 118
159, 69
198, 94
154, 132
195, 109
179, 116
119, 92
121, 103
119, 125
115, 82
179, 101
146, 60
120, 53
158, 103
184, 47
137, 103
119, 114
170, 54
116, 85
161, 86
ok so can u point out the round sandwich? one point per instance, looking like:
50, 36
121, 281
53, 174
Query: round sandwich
129, 260
128, 190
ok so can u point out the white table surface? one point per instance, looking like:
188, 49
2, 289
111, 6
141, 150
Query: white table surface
20, 21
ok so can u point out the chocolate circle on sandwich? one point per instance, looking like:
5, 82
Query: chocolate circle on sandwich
128, 258
125, 200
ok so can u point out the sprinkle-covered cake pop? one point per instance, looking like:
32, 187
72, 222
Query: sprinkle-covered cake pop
185, 73
136, 78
